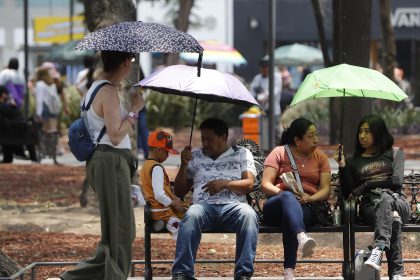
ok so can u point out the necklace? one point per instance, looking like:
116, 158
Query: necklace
303, 160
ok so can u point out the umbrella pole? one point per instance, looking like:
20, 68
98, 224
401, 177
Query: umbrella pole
342, 116
193, 118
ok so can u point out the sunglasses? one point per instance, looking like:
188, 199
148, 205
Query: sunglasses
160, 136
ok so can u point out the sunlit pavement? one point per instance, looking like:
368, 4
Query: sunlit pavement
256, 278
174, 160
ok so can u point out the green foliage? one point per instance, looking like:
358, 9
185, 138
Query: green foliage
399, 121
316, 111
164, 110
73, 98
173, 13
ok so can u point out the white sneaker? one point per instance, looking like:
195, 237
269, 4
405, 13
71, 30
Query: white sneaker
397, 277
172, 226
306, 245
288, 274
375, 258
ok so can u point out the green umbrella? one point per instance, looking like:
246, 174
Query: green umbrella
297, 54
346, 80
65, 53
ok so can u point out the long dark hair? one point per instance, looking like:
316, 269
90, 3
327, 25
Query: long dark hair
382, 139
111, 60
297, 128
89, 62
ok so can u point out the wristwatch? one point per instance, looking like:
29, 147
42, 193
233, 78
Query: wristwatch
133, 115
132, 118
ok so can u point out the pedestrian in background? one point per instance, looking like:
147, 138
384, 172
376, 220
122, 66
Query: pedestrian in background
260, 90
48, 107
12, 80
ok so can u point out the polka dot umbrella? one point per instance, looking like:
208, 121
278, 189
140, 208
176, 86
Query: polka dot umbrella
138, 36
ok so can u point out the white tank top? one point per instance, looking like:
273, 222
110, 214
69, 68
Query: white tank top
96, 123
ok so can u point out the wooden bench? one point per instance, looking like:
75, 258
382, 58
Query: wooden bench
256, 199
348, 228
344, 229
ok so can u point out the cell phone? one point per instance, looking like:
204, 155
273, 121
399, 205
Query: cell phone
340, 151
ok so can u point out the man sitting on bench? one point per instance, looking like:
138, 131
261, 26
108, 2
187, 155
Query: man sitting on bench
219, 176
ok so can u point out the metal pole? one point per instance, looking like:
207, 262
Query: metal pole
271, 46
26, 51
71, 20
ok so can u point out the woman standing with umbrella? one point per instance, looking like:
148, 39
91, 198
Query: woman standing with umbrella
376, 172
108, 172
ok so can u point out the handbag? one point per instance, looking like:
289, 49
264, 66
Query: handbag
320, 209
80, 142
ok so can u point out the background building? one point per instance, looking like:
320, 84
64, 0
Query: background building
12, 27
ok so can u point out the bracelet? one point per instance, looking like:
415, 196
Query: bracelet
132, 121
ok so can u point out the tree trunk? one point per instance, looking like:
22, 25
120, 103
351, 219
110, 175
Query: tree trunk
101, 13
182, 23
353, 47
334, 105
8, 266
415, 80
389, 52
321, 32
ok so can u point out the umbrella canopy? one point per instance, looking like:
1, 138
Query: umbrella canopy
349, 81
346, 80
213, 86
66, 53
297, 54
216, 52
138, 36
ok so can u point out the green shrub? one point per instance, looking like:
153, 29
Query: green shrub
166, 110
400, 121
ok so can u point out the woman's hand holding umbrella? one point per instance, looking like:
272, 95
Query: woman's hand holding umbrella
339, 156
137, 102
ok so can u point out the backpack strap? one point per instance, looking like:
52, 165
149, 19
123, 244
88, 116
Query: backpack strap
92, 96
87, 107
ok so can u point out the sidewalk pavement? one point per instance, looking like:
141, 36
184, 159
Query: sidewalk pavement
175, 161
256, 278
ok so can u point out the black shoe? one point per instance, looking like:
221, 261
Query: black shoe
245, 276
182, 276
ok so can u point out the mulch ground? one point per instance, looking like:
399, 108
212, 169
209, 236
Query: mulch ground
36, 184
28, 247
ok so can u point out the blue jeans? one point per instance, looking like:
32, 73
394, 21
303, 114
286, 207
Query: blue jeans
233, 217
285, 211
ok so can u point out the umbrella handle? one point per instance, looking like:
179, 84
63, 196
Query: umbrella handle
199, 62
342, 115
192, 125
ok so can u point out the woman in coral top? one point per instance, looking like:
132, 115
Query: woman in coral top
285, 208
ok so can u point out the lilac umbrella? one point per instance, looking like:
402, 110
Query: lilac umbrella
212, 85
